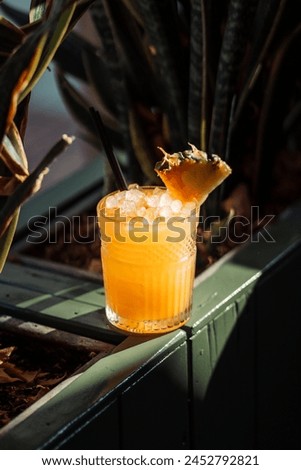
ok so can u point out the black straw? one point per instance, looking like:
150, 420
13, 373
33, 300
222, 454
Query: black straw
119, 177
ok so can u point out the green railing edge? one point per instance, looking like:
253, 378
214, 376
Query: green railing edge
51, 418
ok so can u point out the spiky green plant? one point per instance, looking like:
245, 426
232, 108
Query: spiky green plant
25, 53
223, 75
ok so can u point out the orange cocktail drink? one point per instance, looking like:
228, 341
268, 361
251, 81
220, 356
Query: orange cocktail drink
148, 256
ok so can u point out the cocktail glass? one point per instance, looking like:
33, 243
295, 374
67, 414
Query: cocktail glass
148, 266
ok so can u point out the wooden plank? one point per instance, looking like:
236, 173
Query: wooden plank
35, 331
38, 279
278, 356
213, 293
23, 298
71, 314
101, 431
224, 328
154, 409
222, 369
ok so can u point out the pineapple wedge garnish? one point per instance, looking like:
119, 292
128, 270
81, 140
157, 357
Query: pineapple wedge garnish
191, 175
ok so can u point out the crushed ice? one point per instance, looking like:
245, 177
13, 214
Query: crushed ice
155, 203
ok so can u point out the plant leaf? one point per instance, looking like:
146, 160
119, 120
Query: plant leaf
31, 183
15, 76
110, 55
240, 16
80, 8
7, 237
261, 176
38, 9
13, 153
132, 7
197, 115
69, 55
268, 16
57, 25
143, 151
8, 184
10, 36
164, 41
78, 107
99, 78
133, 50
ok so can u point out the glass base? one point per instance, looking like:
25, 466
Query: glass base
147, 326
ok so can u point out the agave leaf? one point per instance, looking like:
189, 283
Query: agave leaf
57, 25
261, 177
233, 47
13, 154
19, 17
69, 56
109, 52
78, 107
31, 184
80, 8
132, 51
7, 237
99, 78
141, 146
132, 7
62, 16
110, 55
8, 184
21, 117
197, 114
15, 76
10, 36
268, 16
164, 41
38, 9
